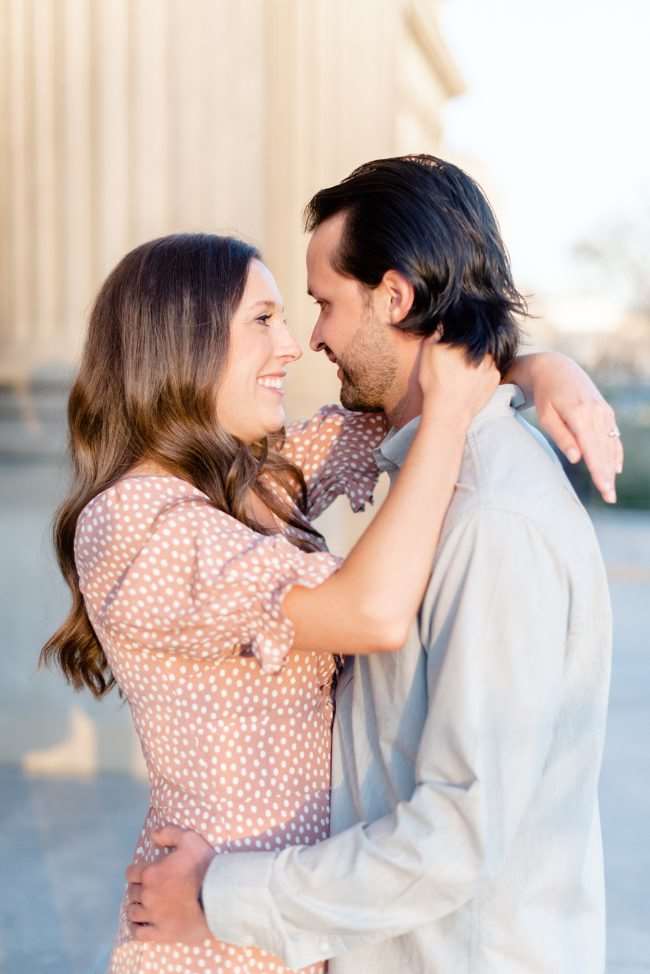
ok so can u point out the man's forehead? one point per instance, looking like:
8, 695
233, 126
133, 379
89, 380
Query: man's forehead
321, 276
321, 249
327, 234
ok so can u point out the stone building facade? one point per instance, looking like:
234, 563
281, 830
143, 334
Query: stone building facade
123, 120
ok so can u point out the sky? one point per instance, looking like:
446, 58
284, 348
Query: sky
555, 122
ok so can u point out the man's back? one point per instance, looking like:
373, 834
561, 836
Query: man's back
480, 743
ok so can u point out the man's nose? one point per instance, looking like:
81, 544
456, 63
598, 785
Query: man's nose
316, 342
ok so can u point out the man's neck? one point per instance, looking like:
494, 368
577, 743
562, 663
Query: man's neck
406, 403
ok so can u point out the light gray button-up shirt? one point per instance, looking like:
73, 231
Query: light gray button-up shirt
465, 827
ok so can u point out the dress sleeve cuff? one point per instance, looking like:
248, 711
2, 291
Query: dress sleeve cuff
272, 644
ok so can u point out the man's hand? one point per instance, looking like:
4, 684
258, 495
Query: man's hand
573, 413
163, 898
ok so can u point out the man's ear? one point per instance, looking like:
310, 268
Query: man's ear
400, 295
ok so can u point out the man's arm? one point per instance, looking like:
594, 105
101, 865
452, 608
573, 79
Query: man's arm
494, 623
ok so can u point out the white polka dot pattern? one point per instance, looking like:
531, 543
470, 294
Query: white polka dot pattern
186, 602
334, 450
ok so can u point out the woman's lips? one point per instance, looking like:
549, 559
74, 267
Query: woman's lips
272, 390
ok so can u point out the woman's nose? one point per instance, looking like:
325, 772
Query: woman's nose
289, 348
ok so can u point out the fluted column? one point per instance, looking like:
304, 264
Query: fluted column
127, 119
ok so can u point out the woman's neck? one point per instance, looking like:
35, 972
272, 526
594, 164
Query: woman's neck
149, 467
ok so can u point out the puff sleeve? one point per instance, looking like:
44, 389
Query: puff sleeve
199, 583
335, 451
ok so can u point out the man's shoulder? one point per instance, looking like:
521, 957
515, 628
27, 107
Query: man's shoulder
509, 466
512, 486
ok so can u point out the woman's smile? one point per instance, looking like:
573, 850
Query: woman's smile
273, 383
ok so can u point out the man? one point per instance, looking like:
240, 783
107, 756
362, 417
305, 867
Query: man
465, 829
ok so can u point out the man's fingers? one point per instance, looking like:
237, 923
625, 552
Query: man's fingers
169, 836
134, 872
134, 893
137, 913
144, 932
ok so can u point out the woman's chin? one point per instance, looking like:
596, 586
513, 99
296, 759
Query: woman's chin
274, 422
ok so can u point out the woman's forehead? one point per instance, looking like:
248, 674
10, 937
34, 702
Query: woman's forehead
261, 287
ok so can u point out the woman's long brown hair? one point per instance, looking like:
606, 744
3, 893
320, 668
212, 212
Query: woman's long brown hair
157, 342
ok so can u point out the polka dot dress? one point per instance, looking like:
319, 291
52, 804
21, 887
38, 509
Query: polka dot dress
235, 730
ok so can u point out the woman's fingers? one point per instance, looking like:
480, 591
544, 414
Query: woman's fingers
450, 381
555, 427
600, 447
589, 428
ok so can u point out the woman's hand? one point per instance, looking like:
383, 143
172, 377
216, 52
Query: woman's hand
574, 414
451, 385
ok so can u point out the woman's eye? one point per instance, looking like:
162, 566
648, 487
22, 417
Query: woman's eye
264, 319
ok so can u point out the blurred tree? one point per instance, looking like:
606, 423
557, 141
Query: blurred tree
622, 254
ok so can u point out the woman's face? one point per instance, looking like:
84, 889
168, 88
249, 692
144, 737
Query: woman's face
250, 399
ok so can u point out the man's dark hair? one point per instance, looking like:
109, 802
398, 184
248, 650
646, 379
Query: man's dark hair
430, 221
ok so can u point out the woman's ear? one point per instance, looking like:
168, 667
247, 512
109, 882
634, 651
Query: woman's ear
400, 294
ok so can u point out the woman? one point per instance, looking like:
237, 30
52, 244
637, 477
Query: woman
188, 524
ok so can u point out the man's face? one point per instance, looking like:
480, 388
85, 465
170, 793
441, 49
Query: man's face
353, 326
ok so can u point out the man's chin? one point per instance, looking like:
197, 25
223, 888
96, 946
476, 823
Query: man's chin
352, 399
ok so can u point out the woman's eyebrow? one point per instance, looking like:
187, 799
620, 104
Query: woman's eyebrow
267, 304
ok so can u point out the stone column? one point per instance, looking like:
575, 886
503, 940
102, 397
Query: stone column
128, 119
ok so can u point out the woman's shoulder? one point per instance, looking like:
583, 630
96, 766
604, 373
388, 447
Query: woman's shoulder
135, 498
145, 531
139, 510
142, 514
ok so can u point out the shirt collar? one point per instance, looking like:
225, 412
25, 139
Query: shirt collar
391, 453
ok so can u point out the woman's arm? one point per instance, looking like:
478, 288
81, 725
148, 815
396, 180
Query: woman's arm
573, 413
369, 603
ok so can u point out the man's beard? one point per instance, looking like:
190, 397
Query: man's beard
368, 371
357, 396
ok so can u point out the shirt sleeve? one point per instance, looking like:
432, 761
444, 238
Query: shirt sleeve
205, 585
494, 627
335, 451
